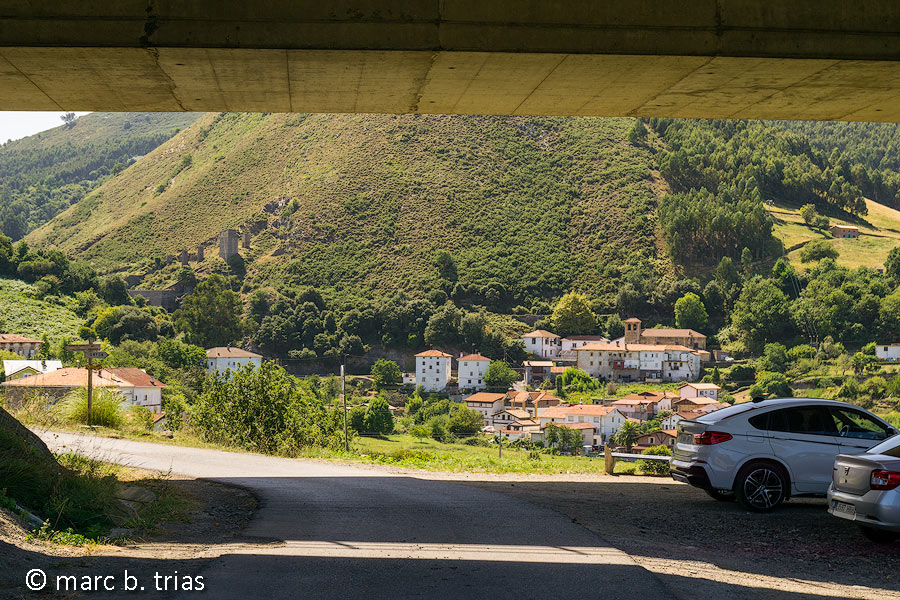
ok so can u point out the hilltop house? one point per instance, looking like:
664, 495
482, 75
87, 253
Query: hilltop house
672, 421
225, 358
137, 387
662, 336
503, 419
844, 231
542, 343
21, 345
16, 369
622, 361
472, 370
433, 370
536, 371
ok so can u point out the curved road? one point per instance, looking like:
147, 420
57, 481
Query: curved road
334, 531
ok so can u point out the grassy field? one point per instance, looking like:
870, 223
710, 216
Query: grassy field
21, 313
879, 232
407, 451
621, 390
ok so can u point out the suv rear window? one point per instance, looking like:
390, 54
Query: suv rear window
724, 413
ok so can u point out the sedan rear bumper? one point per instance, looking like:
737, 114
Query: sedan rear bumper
876, 509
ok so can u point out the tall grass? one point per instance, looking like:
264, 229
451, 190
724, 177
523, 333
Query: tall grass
106, 408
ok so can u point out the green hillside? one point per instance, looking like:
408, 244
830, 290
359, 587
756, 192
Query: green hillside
21, 312
43, 174
362, 202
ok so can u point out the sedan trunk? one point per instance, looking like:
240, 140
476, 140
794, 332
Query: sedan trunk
852, 474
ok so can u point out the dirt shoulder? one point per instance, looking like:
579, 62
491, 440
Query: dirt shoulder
211, 514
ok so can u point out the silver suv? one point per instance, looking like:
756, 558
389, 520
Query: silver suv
766, 451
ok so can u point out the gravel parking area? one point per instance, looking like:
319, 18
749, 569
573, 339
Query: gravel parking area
703, 548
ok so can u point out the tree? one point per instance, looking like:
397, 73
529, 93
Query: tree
464, 422
615, 326
690, 312
812, 218
773, 385
211, 314
892, 263
746, 261
861, 362
385, 373
637, 135
443, 326
445, 265
761, 313
572, 315
775, 358
627, 435
817, 250
68, 120
500, 376
114, 290
379, 419
472, 329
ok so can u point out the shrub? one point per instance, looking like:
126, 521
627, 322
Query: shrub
817, 250
106, 408
265, 410
654, 467
420, 431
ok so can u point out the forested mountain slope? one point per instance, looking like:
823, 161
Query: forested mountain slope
43, 174
536, 206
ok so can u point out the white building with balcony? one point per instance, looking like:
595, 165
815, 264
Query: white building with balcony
619, 361
542, 343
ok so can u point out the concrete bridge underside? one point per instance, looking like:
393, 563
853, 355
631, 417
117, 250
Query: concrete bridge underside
784, 59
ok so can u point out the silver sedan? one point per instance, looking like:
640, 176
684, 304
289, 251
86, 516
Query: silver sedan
865, 488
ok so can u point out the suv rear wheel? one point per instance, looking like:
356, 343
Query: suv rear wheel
761, 486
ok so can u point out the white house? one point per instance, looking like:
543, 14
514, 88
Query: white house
698, 390
486, 404
433, 370
135, 385
544, 344
471, 371
409, 379
605, 420
14, 369
888, 352
620, 361
504, 418
573, 342
227, 357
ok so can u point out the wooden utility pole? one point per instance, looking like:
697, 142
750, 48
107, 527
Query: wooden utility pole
91, 351
344, 400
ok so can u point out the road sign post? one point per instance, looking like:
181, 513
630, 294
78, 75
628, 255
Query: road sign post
91, 352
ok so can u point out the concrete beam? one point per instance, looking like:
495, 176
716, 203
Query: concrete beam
793, 59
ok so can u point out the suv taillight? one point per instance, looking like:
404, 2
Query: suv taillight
884, 480
708, 438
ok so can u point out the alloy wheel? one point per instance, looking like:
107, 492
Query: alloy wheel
763, 488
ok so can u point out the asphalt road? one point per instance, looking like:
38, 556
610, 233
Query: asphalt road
334, 531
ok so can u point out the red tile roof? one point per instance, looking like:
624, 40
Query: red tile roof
434, 353
540, 333
485, 397
474, 357
14, 338
230, 352
75, 377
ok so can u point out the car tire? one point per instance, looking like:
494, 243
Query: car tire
761, 486
879, 536
721, 495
